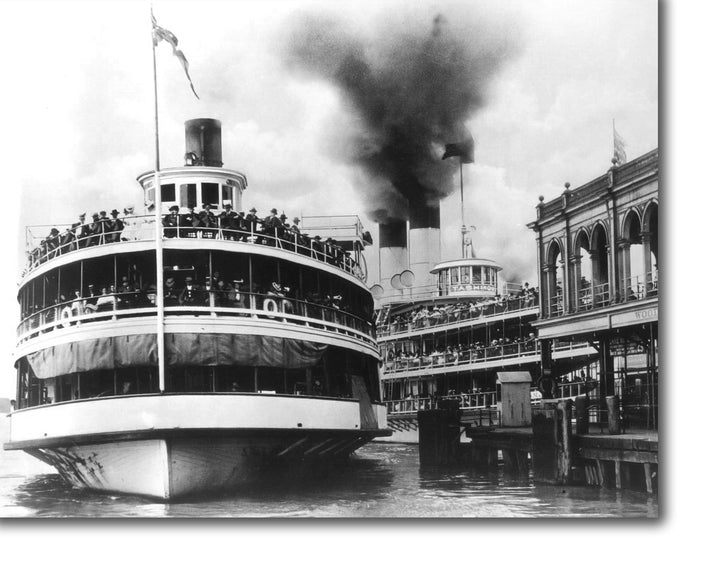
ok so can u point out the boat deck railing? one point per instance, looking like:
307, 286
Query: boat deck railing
440, 318
142, 228
483, 399
469, 356
212, 304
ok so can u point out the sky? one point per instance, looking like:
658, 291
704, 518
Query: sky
550, 76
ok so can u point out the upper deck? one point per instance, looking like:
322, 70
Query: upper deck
78, 241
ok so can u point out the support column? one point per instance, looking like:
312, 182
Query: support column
624, 269
593, 254
545, 293
646, 278
574, 283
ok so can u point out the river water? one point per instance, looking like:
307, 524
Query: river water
380, 480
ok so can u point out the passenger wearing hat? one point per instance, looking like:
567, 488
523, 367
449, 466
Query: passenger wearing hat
236, 295
104, 225
208, 220
251, 221
82, 231
170, 221
95, 230
115, 227
274, 226
293, 232
67, 241
189, 222
170, 294
229, 223
52, 242
190, 295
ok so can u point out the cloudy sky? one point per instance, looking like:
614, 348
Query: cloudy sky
543, 81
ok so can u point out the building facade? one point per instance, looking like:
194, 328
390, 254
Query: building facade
597, 249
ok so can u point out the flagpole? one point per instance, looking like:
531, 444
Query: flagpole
160, 292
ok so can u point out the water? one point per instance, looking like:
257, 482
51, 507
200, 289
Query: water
380, 480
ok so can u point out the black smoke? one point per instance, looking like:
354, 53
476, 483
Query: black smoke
410, 86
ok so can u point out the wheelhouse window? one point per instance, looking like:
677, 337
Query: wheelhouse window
227, 193
210, 194
167, 192
188, 195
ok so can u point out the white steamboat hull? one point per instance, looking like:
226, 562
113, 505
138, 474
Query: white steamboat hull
222, 442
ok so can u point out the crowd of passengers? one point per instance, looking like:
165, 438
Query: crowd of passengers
81, 234
215, 292
452, 355
272, 230
228, 225
425, 316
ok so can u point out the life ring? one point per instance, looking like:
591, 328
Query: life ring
466, 279
270, 305
287, 306
65, 313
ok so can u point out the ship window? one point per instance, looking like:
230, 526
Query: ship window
210, 194
167, 192
150, 197
477, 275
465, 274
454, 274
188, 195
226, 193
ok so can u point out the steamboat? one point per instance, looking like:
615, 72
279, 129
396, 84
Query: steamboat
452, 330
182, 351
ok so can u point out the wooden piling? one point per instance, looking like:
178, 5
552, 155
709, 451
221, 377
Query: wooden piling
564, 453
582, 418
439, 435
613, 406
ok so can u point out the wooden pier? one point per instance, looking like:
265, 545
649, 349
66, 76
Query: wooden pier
551, 447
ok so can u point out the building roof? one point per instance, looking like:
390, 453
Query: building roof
465, 262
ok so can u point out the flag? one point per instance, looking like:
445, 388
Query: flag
618, 147
161, 34
464, 149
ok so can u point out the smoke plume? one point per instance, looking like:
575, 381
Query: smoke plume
410, 86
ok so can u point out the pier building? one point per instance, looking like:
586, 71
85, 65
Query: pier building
597, 256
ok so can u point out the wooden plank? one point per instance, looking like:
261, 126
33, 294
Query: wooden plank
624, 456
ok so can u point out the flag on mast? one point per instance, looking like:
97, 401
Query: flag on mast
618, 147
464, 149
161, 34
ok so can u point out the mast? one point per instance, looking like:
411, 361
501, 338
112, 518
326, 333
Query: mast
160, 294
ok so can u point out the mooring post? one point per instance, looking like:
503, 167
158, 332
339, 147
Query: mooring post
582, 421
564, 455
613, 405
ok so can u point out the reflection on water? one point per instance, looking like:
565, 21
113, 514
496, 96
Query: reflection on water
380, 480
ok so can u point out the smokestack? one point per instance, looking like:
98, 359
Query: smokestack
393, 251
203, 142
424, 241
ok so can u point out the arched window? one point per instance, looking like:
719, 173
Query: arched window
554, 280
631, 266
599, 258
583, 271
649, 237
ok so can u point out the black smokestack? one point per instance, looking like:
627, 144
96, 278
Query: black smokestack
410, 86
